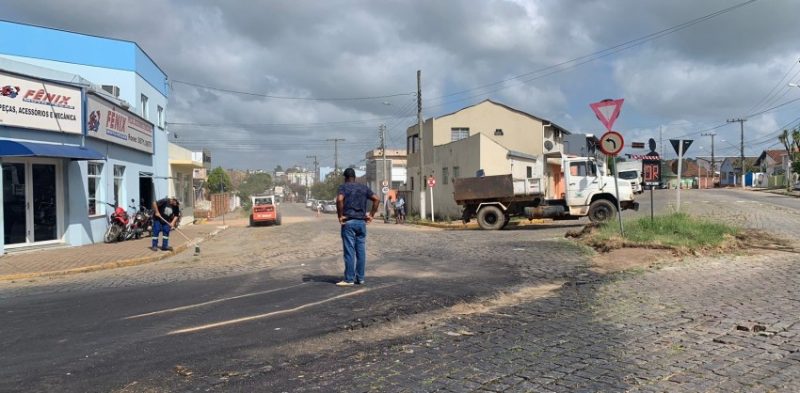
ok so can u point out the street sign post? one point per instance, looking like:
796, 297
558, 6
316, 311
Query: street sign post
431, 184
607, 111
651, 171
680, 146
385, 190
611, 143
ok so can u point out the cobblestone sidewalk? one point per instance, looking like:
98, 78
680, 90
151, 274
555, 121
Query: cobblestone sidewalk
66, 260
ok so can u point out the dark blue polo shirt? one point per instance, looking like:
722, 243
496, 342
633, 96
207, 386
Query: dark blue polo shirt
356, 196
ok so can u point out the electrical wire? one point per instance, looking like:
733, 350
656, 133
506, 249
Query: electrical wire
591, 56
247, 93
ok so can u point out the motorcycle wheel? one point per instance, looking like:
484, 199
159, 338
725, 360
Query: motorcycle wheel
112, 233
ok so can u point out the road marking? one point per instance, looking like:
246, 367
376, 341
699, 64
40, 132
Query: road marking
269, 314
190, 306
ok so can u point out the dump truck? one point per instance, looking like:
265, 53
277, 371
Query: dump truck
566, 188
264, 210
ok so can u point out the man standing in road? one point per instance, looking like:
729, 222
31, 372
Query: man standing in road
351, 206
166, 213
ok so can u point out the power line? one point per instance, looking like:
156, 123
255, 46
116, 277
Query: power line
247, 93
780, 83
594, 55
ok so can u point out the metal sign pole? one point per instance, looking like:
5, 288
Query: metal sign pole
431, 188
680, 169
652, 218
616, 187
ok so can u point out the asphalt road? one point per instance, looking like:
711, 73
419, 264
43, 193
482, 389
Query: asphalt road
261, 302
119, 330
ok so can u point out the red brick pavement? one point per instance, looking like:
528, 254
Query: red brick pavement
67, 260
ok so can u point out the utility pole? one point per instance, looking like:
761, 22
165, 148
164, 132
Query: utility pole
335, 154
421, 143
741, 147
316, 168
385, 182
712, 134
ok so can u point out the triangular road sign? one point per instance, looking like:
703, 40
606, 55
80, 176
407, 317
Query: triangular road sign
607, 111
676, 146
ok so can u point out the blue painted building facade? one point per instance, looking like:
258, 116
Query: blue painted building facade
102, 140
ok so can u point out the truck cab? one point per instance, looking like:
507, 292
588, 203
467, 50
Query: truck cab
632, 172
264, 210
590, 192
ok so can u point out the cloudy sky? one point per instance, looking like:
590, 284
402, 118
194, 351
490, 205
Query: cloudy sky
321, 70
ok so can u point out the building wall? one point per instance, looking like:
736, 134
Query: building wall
520, 132
485, 150
79, 227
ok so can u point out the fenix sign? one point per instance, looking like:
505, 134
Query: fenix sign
115, 124
41, 105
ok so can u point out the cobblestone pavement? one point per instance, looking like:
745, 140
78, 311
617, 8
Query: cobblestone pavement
705, 324
683, 328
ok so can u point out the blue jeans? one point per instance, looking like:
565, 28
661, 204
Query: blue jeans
159, 226
354, 239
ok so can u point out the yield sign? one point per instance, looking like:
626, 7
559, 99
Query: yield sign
676, 144
607, 111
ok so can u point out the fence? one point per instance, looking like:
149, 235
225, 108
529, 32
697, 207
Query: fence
219, 204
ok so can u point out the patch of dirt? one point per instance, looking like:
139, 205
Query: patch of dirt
617, 254
629, 258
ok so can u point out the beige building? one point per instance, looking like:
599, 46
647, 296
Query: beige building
488, 138
182, 165
395, 167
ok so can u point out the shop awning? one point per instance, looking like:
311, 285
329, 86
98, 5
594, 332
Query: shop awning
36, 149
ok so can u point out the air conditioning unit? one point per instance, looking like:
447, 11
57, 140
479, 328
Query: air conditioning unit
111, 89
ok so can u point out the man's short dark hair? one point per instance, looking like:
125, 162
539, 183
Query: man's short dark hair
349, 173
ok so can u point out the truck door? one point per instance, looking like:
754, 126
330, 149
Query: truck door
581, 178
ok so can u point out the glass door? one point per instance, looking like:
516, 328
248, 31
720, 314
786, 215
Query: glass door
14, 204
43, 207
31, 202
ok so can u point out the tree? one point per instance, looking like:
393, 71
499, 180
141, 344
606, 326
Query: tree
326, 189
217, 179
254, 184
278, 168
791, 142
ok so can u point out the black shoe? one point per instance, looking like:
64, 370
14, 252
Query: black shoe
154, 248
166, 248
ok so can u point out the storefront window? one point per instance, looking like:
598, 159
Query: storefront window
119, 184
95, 170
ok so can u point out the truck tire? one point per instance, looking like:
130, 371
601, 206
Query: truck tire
491, 218
601, 211
278, 220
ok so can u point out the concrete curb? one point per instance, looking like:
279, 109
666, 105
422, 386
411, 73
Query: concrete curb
115, 264
474, 225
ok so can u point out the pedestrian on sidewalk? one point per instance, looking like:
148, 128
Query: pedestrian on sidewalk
351, 207
167, 212
400, 210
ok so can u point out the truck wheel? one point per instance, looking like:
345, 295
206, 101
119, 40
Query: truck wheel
278, 220
491, 218
602, 210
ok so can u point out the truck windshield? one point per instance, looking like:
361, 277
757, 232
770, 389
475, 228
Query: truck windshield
628, 175
262, 201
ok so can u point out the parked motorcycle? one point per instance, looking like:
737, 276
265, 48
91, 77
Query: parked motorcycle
121, 226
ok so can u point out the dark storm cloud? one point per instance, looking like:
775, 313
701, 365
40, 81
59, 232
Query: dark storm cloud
359, 48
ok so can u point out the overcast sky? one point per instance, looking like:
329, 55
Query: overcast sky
735, 64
